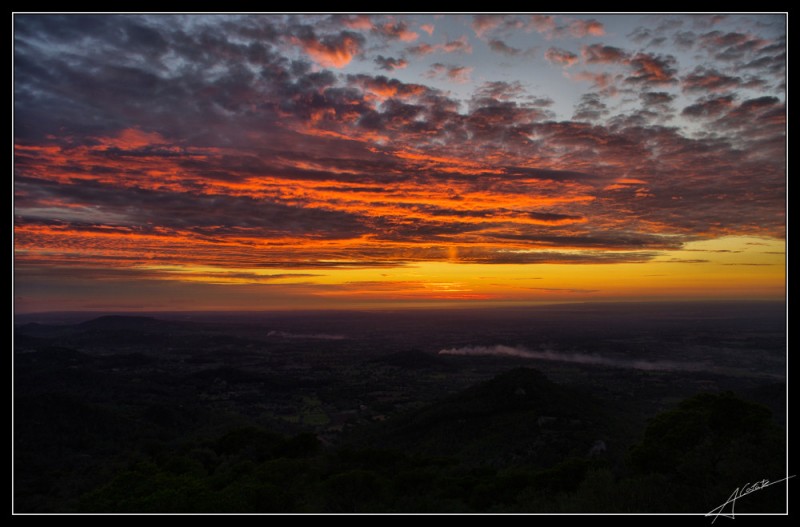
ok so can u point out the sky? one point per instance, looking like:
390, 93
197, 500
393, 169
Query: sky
237, 162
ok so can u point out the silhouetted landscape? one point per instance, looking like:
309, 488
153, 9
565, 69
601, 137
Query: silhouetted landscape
637, 407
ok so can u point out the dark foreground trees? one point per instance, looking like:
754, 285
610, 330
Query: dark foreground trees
690, 459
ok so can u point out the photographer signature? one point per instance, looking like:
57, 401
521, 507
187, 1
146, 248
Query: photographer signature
746, 489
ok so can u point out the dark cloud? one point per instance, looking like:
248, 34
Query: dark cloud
601, 81
584, 28
640, 34
561, 56
684, 261
750, 264
483, 23
486, 24
499, 46
500, 90
707, 21
774, 64
709, 80
547, 25
764, 117
420, 49
390, 63
460, 45
650, 69
136, 207
656, 98
395, 31
597, 53
684, 40
452, 72
711, 107
731, 46
590, 108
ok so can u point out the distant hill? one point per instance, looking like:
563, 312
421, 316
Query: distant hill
519, 417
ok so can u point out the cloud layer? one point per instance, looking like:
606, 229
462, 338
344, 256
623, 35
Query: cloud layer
279, 141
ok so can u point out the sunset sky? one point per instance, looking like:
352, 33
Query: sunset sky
207, 162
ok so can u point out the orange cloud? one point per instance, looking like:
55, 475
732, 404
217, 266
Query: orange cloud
333, 53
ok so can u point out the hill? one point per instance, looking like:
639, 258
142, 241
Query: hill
518, 417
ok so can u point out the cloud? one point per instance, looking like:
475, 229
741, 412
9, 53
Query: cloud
659, 99
598, 80
481, 24
396, 31
390, 63
583, 28
460, 45
383, 87
709, 80
731, 46
457, 74
652, 69
216, 142
684, 40
561, 57
597, 53
645, 36
547, 25
499, 46
485, 24
421, 49
706, 21
684, 261
550, 28
711, 107
428, 28
590, 108
360, 22
500, 90
333, 51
